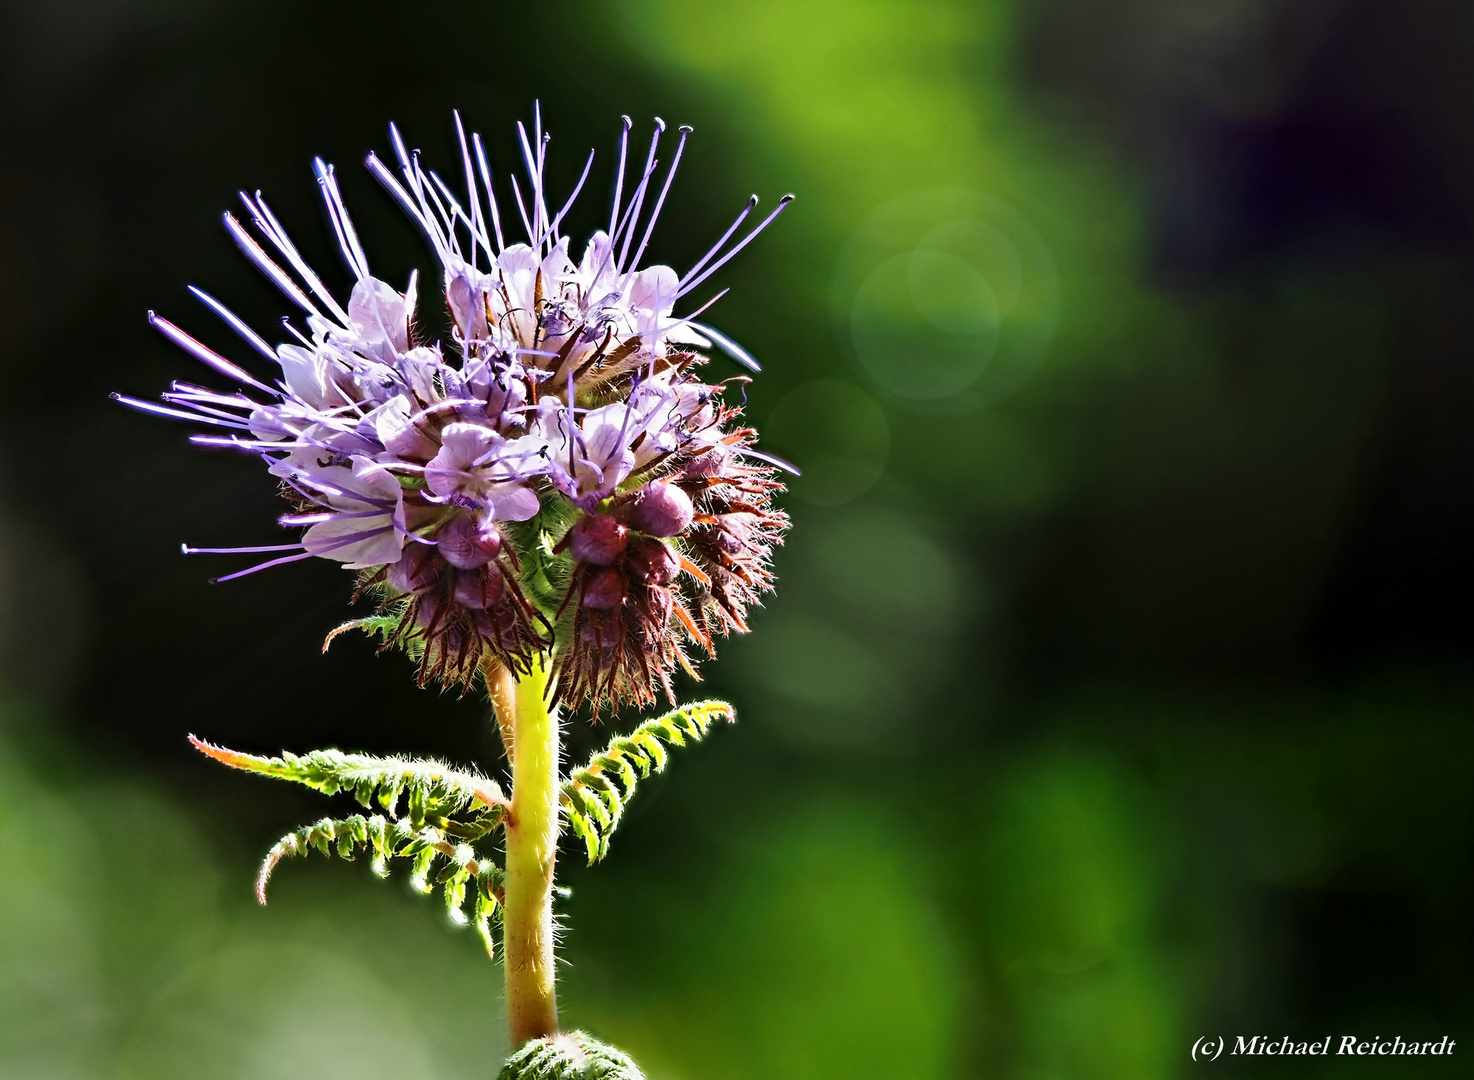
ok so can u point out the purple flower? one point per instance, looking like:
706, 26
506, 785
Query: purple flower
476, 465
567, 398
365, 525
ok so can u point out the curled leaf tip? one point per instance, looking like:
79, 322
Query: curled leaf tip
351, 624
263, 877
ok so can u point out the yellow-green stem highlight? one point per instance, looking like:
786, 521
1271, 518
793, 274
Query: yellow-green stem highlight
532, 843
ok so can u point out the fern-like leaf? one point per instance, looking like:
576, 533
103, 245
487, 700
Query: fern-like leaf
437, 862
435, 791
445, 811
594, 796
381, 626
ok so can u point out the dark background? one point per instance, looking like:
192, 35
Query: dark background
1117, 688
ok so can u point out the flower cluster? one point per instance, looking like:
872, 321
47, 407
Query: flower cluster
556, 478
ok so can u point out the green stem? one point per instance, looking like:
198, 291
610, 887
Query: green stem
532, 844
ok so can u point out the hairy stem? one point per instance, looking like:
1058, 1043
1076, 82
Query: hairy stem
501, 686
532, 843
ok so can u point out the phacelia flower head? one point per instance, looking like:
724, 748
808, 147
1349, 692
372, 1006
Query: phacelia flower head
556, 478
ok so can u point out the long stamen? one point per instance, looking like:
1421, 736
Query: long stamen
175, 414
342, 224
262, 262
532, 174
526, 221
409, 168
473, 196
386, 179
771, 459
625, 223
557, 220
624, 143
542, 190
262, 566
456, 210
782, 205
447, 218
254, 446
202, 405
542, 149
185, 394
257, 549
685, 130
640, 194
289, 328
751, 202
496, 219
231, 319
728, 346
265, 220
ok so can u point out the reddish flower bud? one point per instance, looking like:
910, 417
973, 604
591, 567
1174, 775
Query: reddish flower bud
731, 537
450, 640
597, 540
415, 572
429, 612
710, 463
662, 509
652, 561
660, 602
604, 589
498, 624
603, 632
479, 589
465, 546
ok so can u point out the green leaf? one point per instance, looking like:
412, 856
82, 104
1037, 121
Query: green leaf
436, 791
437, 863
594, 796
446, 811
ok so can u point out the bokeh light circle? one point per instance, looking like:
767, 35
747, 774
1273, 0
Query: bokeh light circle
836, 434
925, 325
951, 295
947, 298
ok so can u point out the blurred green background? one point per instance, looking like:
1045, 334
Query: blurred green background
1117, 688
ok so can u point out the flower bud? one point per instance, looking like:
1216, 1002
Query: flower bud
652, 561
465, 546
604, 589
731, 537
660, 602
449, 640
597, 540
466, 306
710, 463
415, 572
662, 509
601, 632
429, 611
479, 589
498, 624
